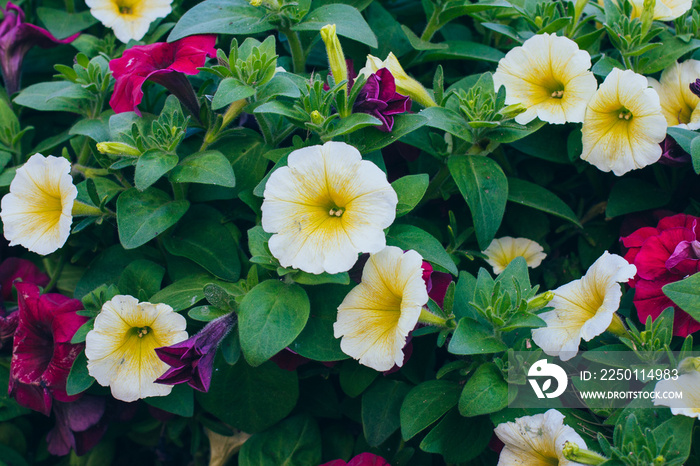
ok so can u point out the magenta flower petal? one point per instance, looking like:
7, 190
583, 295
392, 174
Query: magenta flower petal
42, 353
363, 459
379, 98
14, 268
77, 426
163, 63
16, 39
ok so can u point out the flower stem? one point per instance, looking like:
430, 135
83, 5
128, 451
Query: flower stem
214, 132
56, 273
297, 51
433, 25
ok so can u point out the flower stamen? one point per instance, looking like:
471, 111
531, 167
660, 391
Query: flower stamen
558, 94
336, 212
625, 114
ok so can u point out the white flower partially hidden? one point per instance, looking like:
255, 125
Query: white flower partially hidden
502, 251
536, 440
664, 10
548, 75
583, 308
121, 347
129, 19
325, 207
37, 212
678, 103
689, 385
623, 125
375, 318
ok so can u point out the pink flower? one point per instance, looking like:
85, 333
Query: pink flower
42, 354
163, 63
16, 39
364, 459
662, 255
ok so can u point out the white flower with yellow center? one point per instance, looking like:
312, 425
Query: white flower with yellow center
664, 10
405, 85
502, 251
325, 207
678, 103
623, 125
550, 77
584, 308
687, 384
129, 19
537, 440
375, 318
121, 347
37, 212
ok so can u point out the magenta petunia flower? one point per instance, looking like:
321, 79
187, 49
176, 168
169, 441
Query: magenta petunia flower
364, 459
16, 39
379, 98
14, 268
163, 63
192, 360
672, 154
662, 255
436, 283
79, 425
42, 354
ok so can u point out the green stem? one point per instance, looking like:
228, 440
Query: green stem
121, 179
264, 129
298, 56
433, 25
435, 184
283, 135
85, 152
56, 273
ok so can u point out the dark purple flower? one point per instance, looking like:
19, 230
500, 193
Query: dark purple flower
436, 283
672, 154
42, 354
79, 425
192, 360
379, 98
695, 87
16, 39
14, 268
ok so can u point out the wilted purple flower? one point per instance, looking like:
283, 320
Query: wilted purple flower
78, 425
672, 154
379, 98
192, 360
16, 39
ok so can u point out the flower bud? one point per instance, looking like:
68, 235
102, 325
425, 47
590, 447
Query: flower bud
118, 148
540, 301
316, 117
336, 58
404, 83
689, 365
573, 452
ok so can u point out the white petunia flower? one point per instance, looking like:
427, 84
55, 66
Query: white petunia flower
688, 384
375, 318
664, 10
325, 207
583, 308
550, 77
678, 103
121, 347
37, 212
129, 19
537, 440
502, 251
623, 125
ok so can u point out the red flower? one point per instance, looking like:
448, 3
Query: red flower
42, 354
163, 63
662, 255
364, 459
16, 39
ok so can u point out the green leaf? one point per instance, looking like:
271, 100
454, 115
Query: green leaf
633, 195
456, 9
271, 316
511, 131
94, 128
79, 379
531, 195
472, 337
381, 407
419, 44
62, 24
46, 97
410, 190
278, 107
317, 341
206, 313
208, 167
304, 278
695, 154
9, 408
183, 293
180, 401
605, 65
141, 279
293, 442
348, 22
425, 404
410, 237
485, 392
686, 294
251, 399
141, 216
204, 237
353, 123
662, 57
153, 164
447, 120
485, 188
684, 137
355, 378
458, 439
105, 269
680, 430
230, 90
221, 17
371, 139
462, 50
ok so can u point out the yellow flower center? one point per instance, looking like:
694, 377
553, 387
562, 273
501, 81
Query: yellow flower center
336, 211
624, 114
126, 7
558, 94
141, 331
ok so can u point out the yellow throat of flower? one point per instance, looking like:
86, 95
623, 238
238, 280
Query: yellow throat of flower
126, 7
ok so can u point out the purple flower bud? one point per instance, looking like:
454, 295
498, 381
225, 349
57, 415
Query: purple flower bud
695, 87
192, 360
379, 98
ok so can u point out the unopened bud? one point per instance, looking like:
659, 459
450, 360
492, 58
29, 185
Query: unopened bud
573, 452
511, 111
316, 117
540, 301
336, 58
255, 2
118, 148
689, 365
